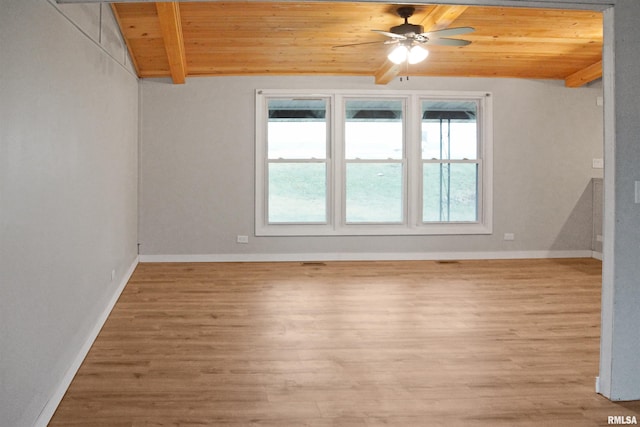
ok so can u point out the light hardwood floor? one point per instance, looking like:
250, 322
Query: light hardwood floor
469, 343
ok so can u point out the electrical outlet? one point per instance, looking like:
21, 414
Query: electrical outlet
113, 275
242, 239
509, 236
598, 164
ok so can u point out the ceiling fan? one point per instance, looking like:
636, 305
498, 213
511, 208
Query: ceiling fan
409, 38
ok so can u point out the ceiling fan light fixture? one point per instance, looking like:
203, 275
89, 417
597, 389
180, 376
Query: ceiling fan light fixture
399, 54
413, 55
417, 54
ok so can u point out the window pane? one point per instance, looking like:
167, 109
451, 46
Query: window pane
450, 192
373, 129
297, 129
449, 130
374, 192
297, 192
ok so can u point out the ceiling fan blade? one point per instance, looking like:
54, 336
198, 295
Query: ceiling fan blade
359, 44
392, 35
448, 42
448, 32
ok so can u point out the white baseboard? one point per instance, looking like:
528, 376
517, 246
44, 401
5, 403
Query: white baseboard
596, 255
371, 256
53, 402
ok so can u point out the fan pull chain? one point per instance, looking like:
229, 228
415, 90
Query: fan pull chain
407, 70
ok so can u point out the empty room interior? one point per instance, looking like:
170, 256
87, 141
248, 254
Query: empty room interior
319, 213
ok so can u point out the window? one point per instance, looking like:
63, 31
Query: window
450, 161
297, 144
357, 163
374, 160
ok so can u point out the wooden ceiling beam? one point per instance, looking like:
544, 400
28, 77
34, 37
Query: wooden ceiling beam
441, 17
584, 76
387, 72
169, 17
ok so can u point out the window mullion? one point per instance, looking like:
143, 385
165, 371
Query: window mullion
337, 163
413, 203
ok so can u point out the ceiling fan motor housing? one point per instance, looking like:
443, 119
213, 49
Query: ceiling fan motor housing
406, 12
407, 28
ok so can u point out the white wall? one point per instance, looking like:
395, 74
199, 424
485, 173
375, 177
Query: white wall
197, 171
68, 191
620, 340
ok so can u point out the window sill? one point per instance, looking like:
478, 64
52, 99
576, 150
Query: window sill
374, 230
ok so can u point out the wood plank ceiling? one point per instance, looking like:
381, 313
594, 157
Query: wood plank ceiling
181, 40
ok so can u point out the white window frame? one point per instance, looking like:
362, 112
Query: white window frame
412, 171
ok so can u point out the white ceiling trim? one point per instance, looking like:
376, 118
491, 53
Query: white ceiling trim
563, 4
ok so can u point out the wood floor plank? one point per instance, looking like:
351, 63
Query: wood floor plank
474, 343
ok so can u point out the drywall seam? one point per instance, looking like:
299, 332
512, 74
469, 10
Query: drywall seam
96, 42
